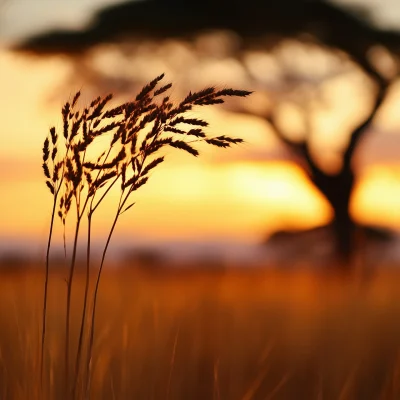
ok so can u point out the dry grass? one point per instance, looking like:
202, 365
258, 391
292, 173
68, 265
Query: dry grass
210, 335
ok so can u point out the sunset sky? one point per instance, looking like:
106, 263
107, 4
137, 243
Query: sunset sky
236, 195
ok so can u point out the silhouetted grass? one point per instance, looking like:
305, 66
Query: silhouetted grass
138, 131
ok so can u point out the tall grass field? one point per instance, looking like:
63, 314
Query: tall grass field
196, 333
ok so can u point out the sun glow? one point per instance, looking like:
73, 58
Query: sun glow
239, 194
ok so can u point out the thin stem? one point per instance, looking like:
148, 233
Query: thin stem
96, 289
46, 281
93, 209
85, 303
69, 293
46, 286
79, 214
121, 204
88, 249
64, 242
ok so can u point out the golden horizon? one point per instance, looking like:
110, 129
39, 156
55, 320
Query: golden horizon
225, 194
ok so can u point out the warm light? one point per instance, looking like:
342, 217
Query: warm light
282, 190
377, 198
238, 194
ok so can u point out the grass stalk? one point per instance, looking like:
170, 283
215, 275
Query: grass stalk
92, 209
45, 290
85, 306
68, 305
95, 295
54, 184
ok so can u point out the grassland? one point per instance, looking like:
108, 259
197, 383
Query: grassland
199, 333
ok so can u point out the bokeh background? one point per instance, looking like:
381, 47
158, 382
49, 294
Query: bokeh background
315, 184
225, 203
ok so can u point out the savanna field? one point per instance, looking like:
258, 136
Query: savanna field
209, 333
251, 145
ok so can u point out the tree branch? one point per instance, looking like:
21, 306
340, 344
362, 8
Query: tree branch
362, 128
301, 149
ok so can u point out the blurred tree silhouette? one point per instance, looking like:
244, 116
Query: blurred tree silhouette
337, 185
350, 36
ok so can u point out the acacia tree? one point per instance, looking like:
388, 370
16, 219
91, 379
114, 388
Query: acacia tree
336, 187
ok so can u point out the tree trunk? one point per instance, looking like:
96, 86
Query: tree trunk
337, 190
344, 236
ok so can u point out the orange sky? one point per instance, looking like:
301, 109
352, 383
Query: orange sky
228, 195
